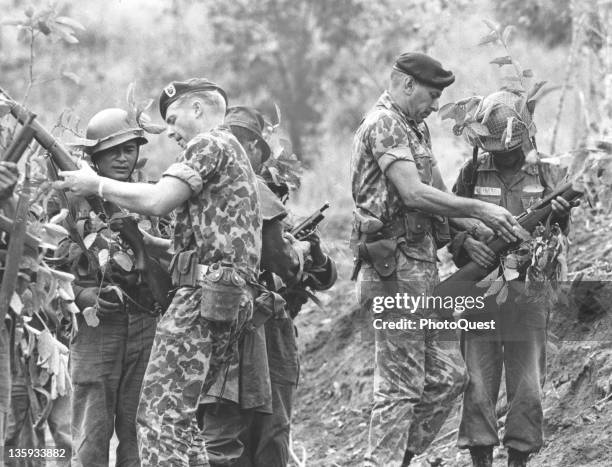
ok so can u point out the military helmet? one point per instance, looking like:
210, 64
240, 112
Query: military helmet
494, 112
112, 127
252, 120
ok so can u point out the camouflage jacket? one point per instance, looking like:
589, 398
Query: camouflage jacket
384, 130
222, 219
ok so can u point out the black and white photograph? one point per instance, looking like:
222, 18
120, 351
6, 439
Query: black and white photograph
306, 233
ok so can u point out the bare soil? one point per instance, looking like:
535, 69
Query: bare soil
330, 420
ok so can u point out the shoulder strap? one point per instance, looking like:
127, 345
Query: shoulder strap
474, 174
543, 181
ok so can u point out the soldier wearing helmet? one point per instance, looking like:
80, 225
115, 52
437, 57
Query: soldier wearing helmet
114, 143
108, 359
503, 176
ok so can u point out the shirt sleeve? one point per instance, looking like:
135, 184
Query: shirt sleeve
388, 140
462, 184
198, 164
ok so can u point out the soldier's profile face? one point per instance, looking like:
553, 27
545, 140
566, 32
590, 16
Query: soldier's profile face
117, 162
181, 121
423, 101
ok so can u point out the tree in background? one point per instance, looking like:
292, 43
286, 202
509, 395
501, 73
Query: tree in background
547, 20
306, 54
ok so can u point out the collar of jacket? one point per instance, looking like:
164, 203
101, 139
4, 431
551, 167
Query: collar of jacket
386, 101
485, 164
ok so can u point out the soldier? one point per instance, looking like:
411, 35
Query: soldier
217, 244
501, 176
108, 360
288, 268
398, 193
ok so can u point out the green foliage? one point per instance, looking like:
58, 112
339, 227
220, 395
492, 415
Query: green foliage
546, 20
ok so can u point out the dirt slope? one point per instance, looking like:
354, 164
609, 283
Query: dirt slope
335, 391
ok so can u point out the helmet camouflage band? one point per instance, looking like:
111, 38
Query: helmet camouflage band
495, 112
112, 127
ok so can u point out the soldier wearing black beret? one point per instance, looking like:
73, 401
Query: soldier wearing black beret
401, 211
424, 69
176, 89
212, 190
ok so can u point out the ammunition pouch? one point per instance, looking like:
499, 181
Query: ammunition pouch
417, 225
268, 305
224, 293
184, 269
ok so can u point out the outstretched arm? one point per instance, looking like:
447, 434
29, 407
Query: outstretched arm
144, 198
417, 195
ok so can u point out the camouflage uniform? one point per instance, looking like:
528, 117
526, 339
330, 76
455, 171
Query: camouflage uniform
267, 440
108, 361
415, 377
518, 343
220, 222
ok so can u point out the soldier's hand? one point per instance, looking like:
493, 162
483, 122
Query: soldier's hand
480, 253
9, 174
89, 297
82, 182
499, 219
316, 252
560, 206
483, 233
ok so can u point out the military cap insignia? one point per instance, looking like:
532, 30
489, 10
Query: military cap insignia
170, 90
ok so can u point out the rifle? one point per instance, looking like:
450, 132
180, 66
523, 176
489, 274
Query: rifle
20, 142
17, 228
303, 229
529, 220
149, 270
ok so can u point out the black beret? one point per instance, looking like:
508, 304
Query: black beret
252, 120
178, 88
425, 69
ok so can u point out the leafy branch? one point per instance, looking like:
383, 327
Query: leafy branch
47, 22
467, 112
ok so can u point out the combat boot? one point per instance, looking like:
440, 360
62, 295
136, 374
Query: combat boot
482, 456
517, 458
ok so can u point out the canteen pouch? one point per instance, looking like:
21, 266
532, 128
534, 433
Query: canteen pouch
184, 269
381, 254
224, 293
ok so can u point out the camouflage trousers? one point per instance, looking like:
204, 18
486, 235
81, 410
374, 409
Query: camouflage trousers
186, 348
416, 376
